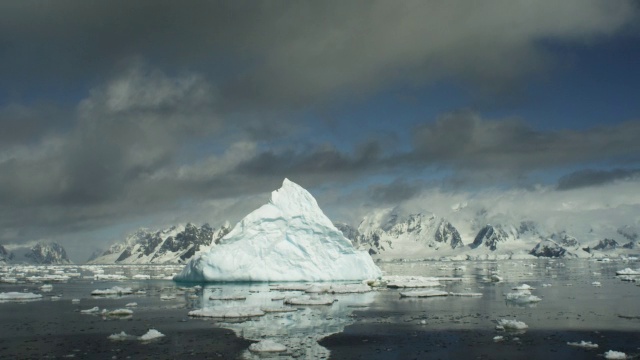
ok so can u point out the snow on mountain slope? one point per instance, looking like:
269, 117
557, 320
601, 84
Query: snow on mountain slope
42, 253
287, 239
174, 245
390, 234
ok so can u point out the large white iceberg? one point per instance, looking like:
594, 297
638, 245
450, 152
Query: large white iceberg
287, 239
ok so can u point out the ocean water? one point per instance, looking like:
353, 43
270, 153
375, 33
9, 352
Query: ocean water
580, 300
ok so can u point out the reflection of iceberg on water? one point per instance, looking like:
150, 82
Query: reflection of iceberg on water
287, 239
299, 330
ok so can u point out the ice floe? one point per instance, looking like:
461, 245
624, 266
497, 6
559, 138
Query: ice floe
151, 335
583, 344
116, 290
267, 346
19, 296
512, 325
424, 293
228, 312
309, 300
93, 310
611, 354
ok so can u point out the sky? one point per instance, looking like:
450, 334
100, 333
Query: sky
118, 115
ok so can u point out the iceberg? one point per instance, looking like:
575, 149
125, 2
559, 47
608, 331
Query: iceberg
287, 239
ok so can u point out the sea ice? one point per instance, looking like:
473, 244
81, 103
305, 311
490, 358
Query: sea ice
119, 312
227, 297
615, 355
267, 346
309, 300
628, 271
522, 297
287, 239
424, 293
131, 304
584, 344
523, 287
400, 281
116, 290
19, 296
93, 310
228, 312
46, 287
120, 336
508, 324
151, 335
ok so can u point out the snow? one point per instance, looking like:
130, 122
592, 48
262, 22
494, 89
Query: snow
18, 296
507, 324
424, 293
228, 312
615, 355
267, 346
287, 239
584, 344
151, 335
116, 290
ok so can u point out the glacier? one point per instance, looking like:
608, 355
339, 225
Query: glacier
287, 239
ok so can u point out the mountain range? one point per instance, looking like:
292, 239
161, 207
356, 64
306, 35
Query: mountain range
42, 253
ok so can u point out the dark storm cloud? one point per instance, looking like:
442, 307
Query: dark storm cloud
463, 140
394, 192
590, 177
292, 53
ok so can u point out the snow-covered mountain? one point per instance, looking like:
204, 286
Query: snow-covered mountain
287, 239
42, 253
390, 234
174, 245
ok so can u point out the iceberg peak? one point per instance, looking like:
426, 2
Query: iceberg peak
287, 239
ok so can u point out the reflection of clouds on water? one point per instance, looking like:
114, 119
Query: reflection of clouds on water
299, 331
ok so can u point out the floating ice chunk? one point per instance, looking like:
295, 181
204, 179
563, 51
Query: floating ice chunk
8, 280
287, 239
411, 282
615, 355
267, 346
116, 290
596, 283
122, 336
131, 304
546, 285
349, 289
496, 278
584, 344
141, 277
228, 312
523, 287
46, 287
309, 300
290, 287
167, 297
466, 294
278, 309
508, 324
228, 297
93, 310
151, 335
522, 297
424, 293
317, 289
628, 271
119, 312
109, 277
498, 338
19, 296
75, 301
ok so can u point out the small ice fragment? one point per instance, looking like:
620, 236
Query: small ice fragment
596, 283
498, 338
75, 301
424, 293
131, 304
119, 337
307, 300
523, 287
46, 287
93, 310
267, 346
508, 324
584, 344
167, 297
19, 296
496, 278
150, 335
615, 355
120, 312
